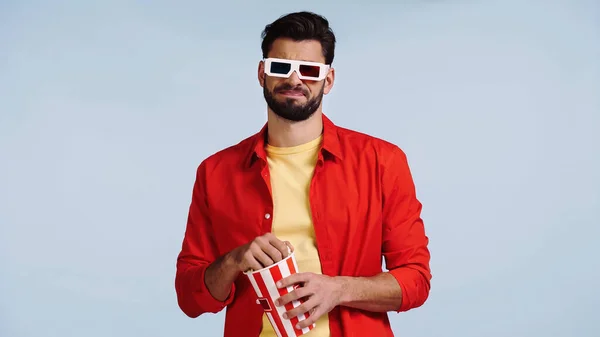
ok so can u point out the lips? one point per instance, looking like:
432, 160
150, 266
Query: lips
294, 93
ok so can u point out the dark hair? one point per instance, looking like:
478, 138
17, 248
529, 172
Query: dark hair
301, 26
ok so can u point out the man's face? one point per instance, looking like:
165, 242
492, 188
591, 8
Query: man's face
292, 98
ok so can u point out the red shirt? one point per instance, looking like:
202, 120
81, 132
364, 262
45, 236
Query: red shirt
364, 207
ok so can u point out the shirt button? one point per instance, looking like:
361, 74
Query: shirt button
267, 216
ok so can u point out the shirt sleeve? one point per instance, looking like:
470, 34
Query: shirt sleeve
405, 244
197, 252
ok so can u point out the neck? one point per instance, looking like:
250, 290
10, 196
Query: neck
284, 133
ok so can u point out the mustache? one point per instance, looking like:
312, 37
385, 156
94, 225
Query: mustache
289, 87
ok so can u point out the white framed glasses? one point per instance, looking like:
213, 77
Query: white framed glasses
305, 70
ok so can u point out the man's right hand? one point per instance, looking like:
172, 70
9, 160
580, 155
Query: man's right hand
261, 252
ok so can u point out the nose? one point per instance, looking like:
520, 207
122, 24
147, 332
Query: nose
294, 79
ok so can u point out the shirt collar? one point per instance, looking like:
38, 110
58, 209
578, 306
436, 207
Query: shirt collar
330, 144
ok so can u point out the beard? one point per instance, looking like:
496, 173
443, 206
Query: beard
290, 109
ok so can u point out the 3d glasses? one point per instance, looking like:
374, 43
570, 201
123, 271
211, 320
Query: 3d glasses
305, 70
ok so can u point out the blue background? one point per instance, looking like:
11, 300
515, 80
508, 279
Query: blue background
107, 108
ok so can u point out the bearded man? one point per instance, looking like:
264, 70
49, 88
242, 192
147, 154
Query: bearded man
340, 199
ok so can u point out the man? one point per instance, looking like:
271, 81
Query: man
340, 199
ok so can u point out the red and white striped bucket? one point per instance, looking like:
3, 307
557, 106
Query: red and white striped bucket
263, 281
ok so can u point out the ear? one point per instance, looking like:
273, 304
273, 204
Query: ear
329, 81
261, 73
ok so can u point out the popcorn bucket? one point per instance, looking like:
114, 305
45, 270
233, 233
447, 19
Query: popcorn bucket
263, 281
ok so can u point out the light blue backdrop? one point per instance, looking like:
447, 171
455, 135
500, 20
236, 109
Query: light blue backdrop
107, 108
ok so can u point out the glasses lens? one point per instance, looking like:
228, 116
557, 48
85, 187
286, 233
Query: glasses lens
280, 67
312, 71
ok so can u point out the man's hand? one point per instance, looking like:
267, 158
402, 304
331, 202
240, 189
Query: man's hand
321, 292
261, 252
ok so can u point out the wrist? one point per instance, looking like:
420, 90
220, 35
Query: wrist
229, 262
343, 289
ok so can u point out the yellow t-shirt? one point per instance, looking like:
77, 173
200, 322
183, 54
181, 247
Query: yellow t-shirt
291, 170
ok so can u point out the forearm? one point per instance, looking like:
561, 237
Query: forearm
379, 293
220, 276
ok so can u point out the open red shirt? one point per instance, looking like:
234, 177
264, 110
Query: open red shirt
364, 208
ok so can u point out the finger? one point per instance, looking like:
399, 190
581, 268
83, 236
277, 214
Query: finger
281, 246
294, 279
273, 252
312, 318
301, 309
289, 244
251, 262
292, 296
266, 245
261, 257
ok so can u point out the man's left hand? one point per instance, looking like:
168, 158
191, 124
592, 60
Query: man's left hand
321, 293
